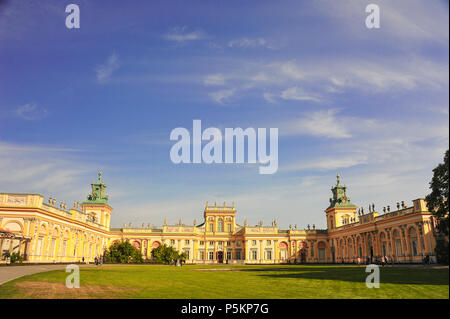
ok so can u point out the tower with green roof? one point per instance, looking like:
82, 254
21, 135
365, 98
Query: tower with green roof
96, 205
340, 211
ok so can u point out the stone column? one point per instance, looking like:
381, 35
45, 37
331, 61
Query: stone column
407, 245
261, 252
276, 259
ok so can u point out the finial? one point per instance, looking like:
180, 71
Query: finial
224, 204
215, 204
338, 177
99, 175
206, 204
165, 221
195, 222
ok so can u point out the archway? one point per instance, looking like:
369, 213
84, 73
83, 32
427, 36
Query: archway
283, 250
220, 256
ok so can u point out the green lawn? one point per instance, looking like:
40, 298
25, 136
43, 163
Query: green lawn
276, 281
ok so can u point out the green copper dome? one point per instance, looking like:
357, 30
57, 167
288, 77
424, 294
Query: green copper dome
340, 198
97, 195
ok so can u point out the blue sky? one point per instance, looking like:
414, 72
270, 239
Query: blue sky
371, 104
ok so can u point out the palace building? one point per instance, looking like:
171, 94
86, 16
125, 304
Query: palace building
44, 232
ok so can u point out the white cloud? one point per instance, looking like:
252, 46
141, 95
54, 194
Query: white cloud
31, 112
41, 169
297, 80
221, 96
291, 70
295, 93
329, 163
105, 71
249, 43
180, 34
214, 79
269, 97
407, 21
319, 124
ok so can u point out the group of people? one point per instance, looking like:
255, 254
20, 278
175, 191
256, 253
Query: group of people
178, 261
98, 260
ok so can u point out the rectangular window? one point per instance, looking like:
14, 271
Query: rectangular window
269, 255
211, 243
238, 255
39, 247
254, 254
312, 250
211, 255
253, 242
187, 253
321, 253
238, 243
202, 255
186, 242
229, 228
64, 248
52, 247
228, 254
202, 243
211, 227
172, 241
269, 242
228, 243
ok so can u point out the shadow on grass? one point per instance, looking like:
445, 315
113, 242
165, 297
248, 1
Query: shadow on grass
394, 275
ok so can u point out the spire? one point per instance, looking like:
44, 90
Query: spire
339, 198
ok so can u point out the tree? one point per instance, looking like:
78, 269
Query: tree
124, 253
437, 202
165, 254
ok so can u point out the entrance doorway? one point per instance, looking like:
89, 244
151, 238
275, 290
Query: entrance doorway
220, 257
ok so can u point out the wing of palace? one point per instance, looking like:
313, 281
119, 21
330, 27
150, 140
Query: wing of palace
47, 232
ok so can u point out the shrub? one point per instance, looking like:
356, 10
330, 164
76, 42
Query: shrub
166, 254
16, 258
123, 253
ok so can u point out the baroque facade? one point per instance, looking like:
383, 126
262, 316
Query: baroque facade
45, 233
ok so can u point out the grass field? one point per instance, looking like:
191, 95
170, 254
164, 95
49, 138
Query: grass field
198, 282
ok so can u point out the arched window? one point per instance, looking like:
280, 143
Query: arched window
211, 226
220, 225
